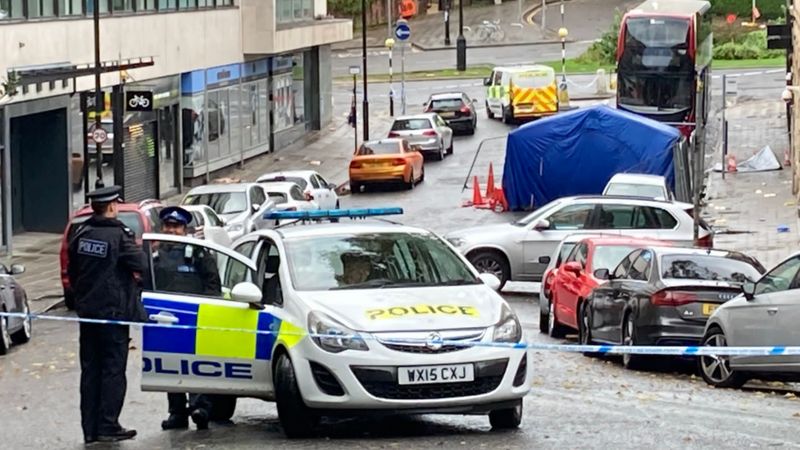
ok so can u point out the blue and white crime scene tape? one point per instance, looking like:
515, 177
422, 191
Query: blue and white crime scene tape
567, 348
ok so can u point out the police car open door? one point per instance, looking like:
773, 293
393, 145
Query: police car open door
198, 292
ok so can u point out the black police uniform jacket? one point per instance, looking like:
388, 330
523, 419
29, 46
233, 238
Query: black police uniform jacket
103, 257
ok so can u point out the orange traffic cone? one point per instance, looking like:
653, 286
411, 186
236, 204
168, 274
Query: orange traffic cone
731, 164
490, 183
500, 202
477, 200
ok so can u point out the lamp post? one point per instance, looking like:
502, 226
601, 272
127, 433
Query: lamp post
389, 43
99, 101
461, 41
446, 5
354, 70
563, 95
365, 110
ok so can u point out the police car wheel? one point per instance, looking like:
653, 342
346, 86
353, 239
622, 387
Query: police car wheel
222, 407
506, 419
24, 334
5, 338
296, 418
489, 112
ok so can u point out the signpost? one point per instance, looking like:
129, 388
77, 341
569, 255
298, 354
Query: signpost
99, 135
141, 101
402, 32
354, 71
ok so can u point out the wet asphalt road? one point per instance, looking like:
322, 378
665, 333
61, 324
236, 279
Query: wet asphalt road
575, 401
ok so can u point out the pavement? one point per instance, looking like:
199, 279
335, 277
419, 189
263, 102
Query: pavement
519, 22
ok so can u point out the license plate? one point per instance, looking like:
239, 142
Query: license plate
374, 165
709, 308
451, 373
447, 114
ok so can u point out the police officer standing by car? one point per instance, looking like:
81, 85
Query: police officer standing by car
105, 267
187, 270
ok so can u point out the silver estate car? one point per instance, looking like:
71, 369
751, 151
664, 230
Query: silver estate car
512, 251
767, 314
240, 205
428, 131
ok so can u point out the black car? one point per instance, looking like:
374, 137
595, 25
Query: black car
13, 330
456, 109
662, 296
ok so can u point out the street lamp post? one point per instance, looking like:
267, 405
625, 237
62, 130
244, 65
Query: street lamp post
365, 111
461, 41
354, 70
99, 101
446, 4
389, 43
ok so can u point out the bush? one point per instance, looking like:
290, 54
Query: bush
769, 9
751, 45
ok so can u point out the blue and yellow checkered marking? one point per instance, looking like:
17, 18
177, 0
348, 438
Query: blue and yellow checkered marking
203, 341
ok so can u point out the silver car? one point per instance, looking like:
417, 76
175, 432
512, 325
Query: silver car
767, 314
639, 185
512, 251
427, 131
240, 205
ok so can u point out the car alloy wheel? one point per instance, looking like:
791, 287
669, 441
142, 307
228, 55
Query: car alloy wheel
411, 182
716, 370
24, 334
629, 360
585, 329
5, 337
554, 329
487, 265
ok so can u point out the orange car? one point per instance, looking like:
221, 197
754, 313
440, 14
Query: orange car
386, 161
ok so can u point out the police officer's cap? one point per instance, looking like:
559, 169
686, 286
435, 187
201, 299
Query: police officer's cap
175, 214
105, 195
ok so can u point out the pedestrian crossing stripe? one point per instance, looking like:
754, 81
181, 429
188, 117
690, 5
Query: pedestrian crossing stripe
221, 342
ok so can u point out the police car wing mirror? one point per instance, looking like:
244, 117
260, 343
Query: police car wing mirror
17, 269
255, 207
602, 274
487, 81
490, 280
541, 225
246, 292
544, 260
749, 289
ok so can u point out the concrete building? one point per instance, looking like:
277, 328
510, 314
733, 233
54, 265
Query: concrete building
230, 79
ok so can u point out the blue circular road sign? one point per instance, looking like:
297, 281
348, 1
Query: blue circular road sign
402, 31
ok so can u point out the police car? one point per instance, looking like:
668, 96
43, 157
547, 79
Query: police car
341, 318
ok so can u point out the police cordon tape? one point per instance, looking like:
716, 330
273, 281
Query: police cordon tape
564, 348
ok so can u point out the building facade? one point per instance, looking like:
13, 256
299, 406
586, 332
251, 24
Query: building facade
229, 80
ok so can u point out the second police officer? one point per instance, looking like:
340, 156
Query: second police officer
184, 269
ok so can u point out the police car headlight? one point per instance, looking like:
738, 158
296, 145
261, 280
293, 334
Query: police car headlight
332, 336
508, 328
235, 227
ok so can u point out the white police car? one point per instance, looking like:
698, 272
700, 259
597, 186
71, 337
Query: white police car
347, 318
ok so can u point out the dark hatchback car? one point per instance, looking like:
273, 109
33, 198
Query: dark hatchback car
456, 108
662, 296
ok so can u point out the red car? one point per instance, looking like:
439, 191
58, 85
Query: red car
575, 280
140, 217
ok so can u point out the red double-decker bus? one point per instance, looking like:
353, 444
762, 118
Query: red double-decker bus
664, 61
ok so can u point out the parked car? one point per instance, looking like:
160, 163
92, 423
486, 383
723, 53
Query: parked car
239, 204
662, 296
575, 280
639, 185
767, 314
456, 108
140, 217
206, 224
288, 196
511, 251
386, 161
429, 131
13, 299
313, 185
554, 262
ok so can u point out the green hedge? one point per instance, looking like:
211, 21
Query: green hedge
769, 9
752, 45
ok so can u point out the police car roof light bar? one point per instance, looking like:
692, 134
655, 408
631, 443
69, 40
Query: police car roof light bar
356, 213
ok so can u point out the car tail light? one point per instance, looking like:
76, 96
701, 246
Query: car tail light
465, 109
673, 298
355, 164
393, 134
706, 241
429, 133
398, 162
309, 197
429, 108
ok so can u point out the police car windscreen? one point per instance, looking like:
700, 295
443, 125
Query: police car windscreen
373, 261
707, 267
130, 219
221, 202
533, 79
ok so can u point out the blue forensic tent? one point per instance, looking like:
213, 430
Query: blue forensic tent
576, 153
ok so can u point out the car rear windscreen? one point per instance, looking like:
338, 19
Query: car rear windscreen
296, 180
130, 219
411, 125
277, 197
387, 148
447, 103
707, 268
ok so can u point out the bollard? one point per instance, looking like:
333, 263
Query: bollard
563, 96
601, 82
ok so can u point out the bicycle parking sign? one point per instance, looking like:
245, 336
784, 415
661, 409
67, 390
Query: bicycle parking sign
139, 101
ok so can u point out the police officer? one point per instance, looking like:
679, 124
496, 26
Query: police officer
105, 267
187, 270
